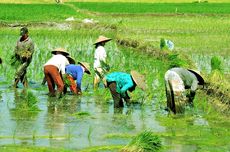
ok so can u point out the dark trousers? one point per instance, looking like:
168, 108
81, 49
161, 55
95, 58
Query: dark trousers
117, 98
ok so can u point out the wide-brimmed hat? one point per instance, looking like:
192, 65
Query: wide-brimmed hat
102, 38
71, 60
86, 65
138, 79
23, 31
198, 76
62, 50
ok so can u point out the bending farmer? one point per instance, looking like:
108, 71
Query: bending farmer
54, 69
75, 72
119, 83
177, 80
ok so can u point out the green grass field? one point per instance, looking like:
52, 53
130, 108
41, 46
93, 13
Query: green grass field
22, 12
139, 1
136, 8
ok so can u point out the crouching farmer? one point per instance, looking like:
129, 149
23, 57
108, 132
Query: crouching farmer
181, 85
75, 72
54, 69
119, 83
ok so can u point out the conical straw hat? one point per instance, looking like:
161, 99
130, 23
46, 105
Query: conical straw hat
198, 76
102, 39
138, 79
62, 50
86, 65
71, 60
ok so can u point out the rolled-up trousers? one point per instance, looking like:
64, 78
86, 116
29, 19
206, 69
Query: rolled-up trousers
117, 98
53, 77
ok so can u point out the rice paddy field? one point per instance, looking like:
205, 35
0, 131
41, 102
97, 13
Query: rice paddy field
32, 121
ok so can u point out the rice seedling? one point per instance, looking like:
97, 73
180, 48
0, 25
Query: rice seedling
216, 63
89, 133
81, 114
146, 141
112, 148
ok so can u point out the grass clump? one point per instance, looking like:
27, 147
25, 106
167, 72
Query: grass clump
216, 63
81, 114
177, 60
26, 100
144, 142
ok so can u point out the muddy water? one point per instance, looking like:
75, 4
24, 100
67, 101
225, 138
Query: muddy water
55, 123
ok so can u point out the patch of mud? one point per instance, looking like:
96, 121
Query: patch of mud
61, 26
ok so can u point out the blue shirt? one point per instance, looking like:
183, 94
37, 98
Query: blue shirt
76, 72
123, 81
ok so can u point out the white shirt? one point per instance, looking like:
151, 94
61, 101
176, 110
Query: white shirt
59, 61
99, 55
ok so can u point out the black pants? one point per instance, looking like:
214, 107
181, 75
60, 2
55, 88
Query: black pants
117, 98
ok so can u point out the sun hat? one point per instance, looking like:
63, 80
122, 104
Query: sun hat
138, 79
198, 76
102, 38
23, 31
62, 50
86, 65
71, 60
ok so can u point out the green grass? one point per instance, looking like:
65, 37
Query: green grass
136, 8
40, 12
145, 1
15, 148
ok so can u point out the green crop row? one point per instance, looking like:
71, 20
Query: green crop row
35, 12
120, 7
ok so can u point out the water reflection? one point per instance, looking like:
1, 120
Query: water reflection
24, 113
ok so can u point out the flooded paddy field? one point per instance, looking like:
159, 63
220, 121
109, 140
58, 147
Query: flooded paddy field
32, 121
29, 118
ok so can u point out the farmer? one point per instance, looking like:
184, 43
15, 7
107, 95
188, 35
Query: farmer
119, 83
54, 69
75, 72
22, 57
100, 65
181, 85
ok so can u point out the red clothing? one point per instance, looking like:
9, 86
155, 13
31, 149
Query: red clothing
73, 86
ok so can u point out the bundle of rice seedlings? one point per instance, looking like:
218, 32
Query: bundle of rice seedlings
66, 80
216, 63
144, 142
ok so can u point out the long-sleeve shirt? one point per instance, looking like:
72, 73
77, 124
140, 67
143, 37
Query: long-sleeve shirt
123, 81
76, 71
99, 55
26, 45
189, 79
60, 61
